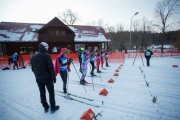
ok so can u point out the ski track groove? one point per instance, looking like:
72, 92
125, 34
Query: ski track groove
28, 114
134, 111
167, 95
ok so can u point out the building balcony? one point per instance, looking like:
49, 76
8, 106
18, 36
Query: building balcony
55, 38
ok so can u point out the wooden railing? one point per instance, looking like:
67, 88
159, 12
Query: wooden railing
55, 38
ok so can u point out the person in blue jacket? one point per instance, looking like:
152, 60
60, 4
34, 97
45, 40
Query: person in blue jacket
147, 55
84, 67
15, 60
92, 58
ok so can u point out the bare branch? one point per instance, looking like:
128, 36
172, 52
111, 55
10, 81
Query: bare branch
69, 17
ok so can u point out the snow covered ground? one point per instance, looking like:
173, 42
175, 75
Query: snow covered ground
128, 99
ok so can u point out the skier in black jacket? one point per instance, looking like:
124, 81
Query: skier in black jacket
147, 55
80, 54
43, 69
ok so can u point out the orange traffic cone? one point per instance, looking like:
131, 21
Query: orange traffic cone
88, 115
174, 65
117, 70
103, 92
111, 81
116, 74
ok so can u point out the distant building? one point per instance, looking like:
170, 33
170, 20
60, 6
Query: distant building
25, 37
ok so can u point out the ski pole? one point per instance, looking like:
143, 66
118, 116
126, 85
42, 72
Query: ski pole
93, 82
76, 70
100, 76
92, 75
67, 81
78, 75
142, 59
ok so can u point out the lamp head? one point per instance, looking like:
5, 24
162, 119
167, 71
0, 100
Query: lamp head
136, 13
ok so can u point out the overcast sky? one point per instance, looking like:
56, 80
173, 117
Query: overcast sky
112, 12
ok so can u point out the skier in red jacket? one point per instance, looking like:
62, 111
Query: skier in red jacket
102, 58
98, 59
62, 67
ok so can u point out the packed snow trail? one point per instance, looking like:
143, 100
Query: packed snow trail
128, 97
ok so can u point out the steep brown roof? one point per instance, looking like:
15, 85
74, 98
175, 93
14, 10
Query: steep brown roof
13, 31
55, 22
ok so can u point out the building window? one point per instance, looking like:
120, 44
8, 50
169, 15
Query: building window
69, 47
3, 48
57, 32
54, 50
95, 47
78, 46
62, 33
22, 50
29, 49
89, 48
103, 46
51, 32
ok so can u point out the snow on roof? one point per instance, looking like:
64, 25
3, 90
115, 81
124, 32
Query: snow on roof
20, 32
89, 33
164, 46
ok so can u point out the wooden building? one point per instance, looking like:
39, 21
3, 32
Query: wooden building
25, 37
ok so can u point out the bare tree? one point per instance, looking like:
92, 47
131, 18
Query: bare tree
177, 43
136, 26
146, 31
163, 11
120, 27
69, 17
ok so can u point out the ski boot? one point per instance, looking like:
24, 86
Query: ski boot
92, 75
66, 95
85, 81
53, 109
46, 109
82, 82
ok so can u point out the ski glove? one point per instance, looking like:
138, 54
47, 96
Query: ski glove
69, 61
54, 79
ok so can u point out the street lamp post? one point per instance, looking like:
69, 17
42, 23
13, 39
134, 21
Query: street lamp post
130, 32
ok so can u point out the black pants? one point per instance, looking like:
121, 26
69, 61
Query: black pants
148, 61
80, 62
64, 79
50, 87
10, 61
107, 63
93, 67
15, 65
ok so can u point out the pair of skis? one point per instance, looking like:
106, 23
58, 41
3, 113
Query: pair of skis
88, 83
77, 98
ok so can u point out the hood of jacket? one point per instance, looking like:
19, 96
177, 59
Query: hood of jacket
63, 51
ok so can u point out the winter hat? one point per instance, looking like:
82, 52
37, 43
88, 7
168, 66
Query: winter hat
82, 48
64, 51
44, 44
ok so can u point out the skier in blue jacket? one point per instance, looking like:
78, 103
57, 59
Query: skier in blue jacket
147, 55
84, 67
15, 60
